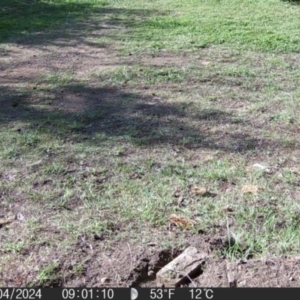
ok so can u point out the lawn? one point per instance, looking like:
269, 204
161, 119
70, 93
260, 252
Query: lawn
129, 128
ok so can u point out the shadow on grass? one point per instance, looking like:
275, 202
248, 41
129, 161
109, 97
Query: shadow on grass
86, 111
36, 22
296, 2
82, 113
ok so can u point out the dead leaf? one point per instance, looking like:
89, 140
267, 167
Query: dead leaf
182, 222
208, 158
206, 63
199, 191
252, 189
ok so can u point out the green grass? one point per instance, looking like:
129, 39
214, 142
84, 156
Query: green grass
147, 76
192, 25
167, 25
183, 94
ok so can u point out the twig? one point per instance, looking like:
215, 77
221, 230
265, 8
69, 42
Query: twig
131, 260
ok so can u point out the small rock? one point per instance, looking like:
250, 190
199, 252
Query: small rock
242, 283
180, 201
151, 273
151, 244
260, 166
19, 217
263, 168
104, 280
291, 278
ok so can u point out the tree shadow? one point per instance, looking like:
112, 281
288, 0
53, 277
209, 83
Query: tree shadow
294, 2
34, 22
87, 110
142, 120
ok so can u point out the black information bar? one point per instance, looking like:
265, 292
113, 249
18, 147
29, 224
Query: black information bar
147, 293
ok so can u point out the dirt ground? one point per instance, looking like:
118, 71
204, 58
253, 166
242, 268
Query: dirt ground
123, 263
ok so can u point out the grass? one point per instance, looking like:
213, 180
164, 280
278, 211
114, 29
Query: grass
260, 25
197, 92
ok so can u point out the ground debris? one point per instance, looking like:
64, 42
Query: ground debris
5, 222
182, 270
182, 222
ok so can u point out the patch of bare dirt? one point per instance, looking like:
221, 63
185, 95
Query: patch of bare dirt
95, 261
